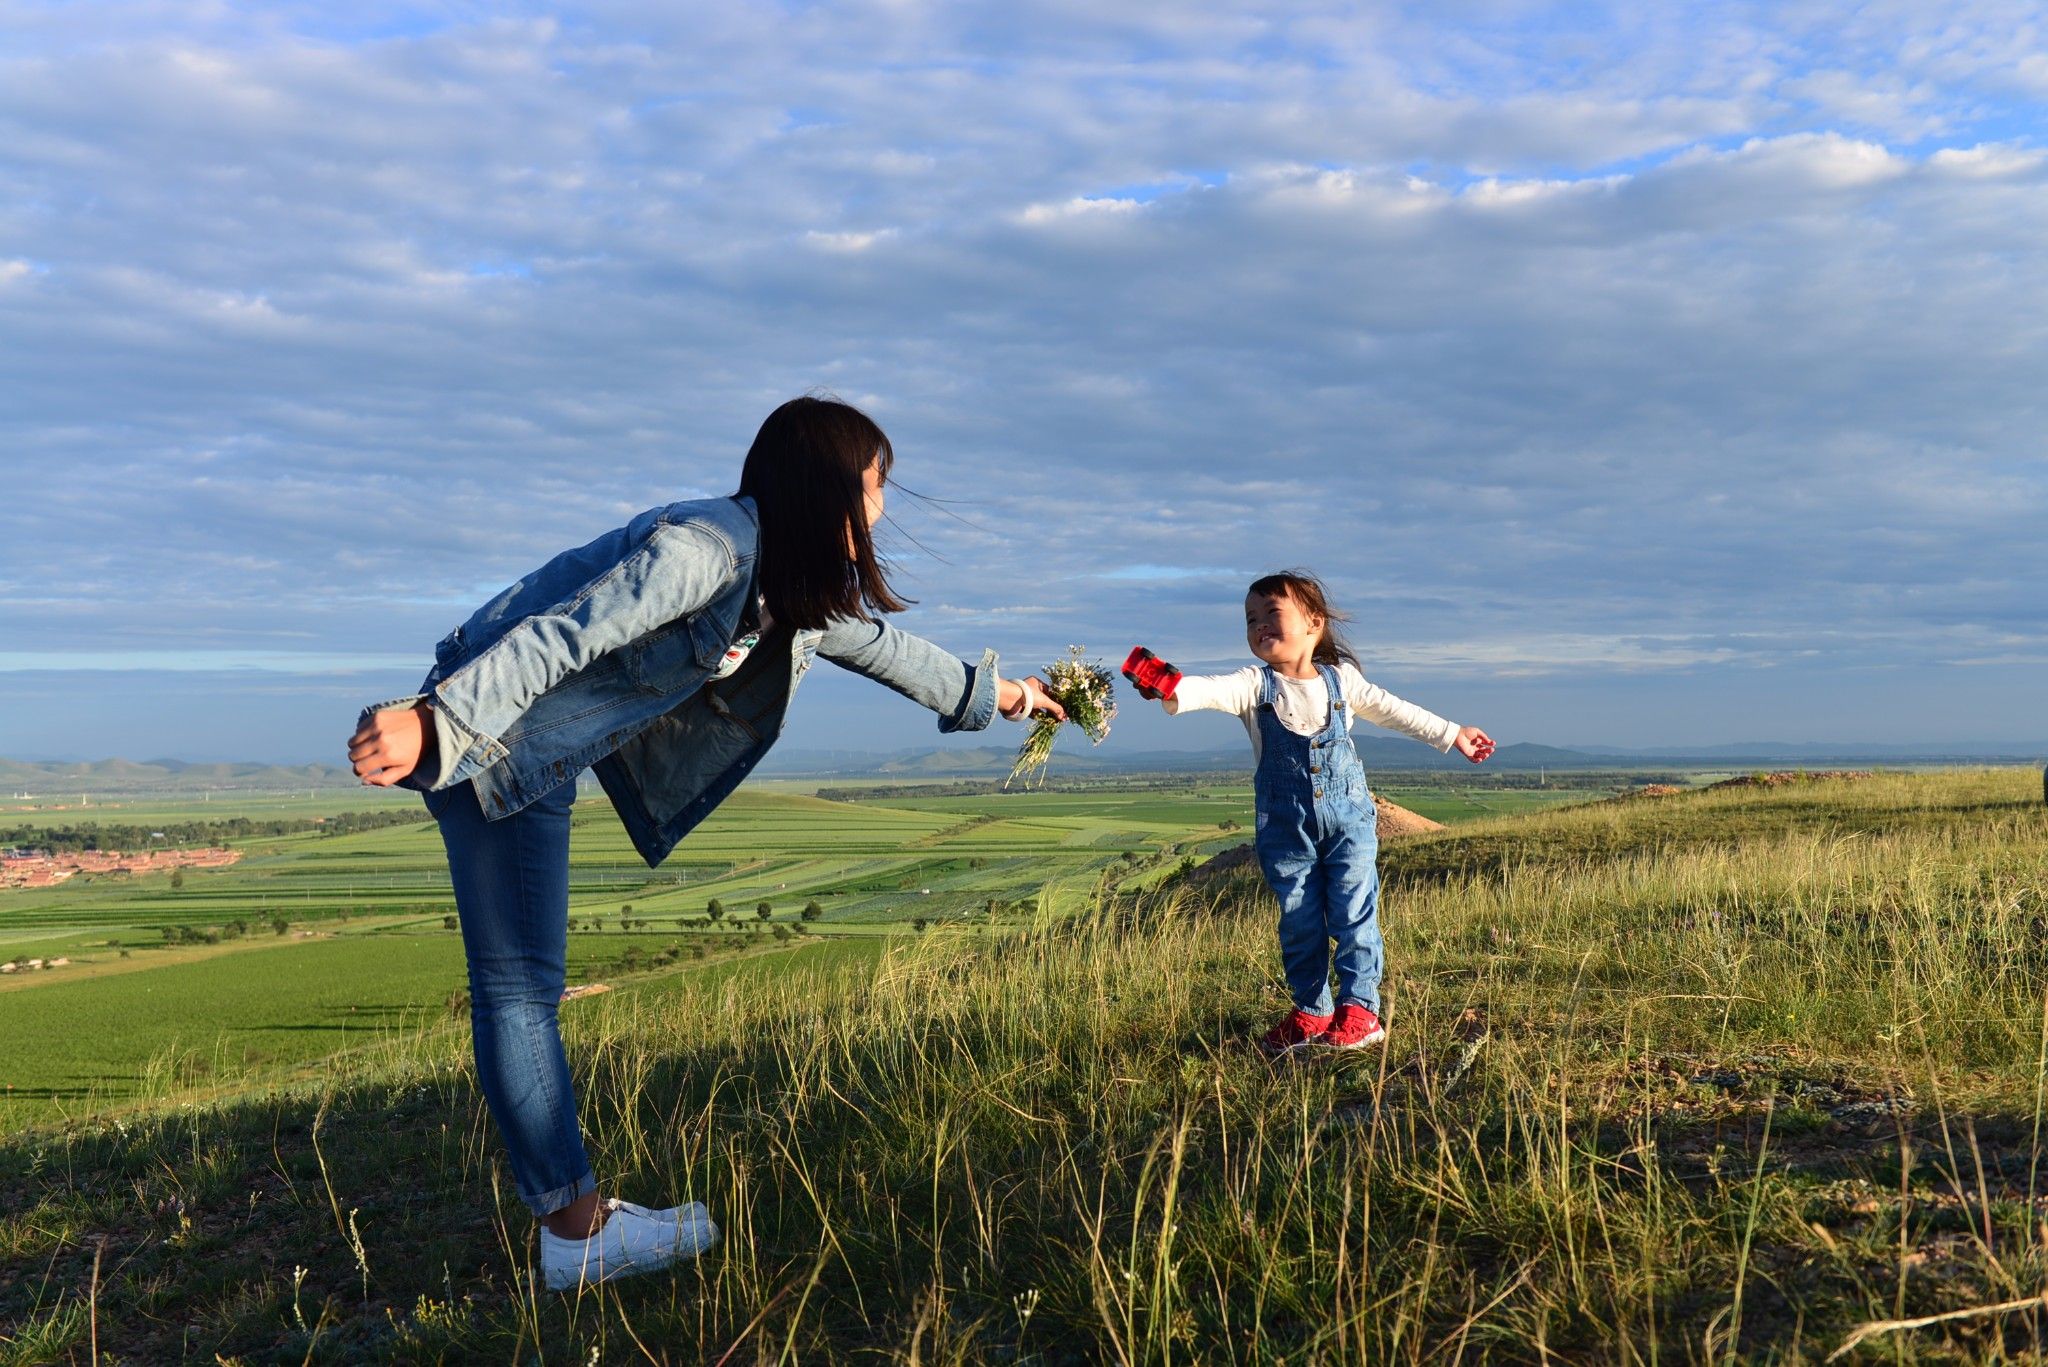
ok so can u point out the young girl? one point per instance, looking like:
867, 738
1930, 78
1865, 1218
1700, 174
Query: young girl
1317, 835
664, 655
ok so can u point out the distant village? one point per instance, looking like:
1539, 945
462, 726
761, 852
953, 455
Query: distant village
42, 869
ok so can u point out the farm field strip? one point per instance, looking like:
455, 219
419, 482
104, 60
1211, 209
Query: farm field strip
364, 912
367, 947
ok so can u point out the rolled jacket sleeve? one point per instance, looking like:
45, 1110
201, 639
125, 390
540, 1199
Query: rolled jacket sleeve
439, 760
963, 695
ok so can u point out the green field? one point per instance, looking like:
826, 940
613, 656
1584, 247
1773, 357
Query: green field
320, 941
323, 939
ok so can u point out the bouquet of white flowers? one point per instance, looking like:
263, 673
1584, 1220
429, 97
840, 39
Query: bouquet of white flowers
1083, 688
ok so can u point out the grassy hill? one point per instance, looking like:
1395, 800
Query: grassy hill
1727, 1075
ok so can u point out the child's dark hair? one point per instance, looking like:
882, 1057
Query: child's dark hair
804, 474
1307, 592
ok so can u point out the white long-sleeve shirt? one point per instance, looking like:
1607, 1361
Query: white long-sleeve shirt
1303, 705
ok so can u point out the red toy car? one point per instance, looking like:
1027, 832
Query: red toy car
1150, 675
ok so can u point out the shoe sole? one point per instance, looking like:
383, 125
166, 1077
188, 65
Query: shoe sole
581, 1277
1376, 1037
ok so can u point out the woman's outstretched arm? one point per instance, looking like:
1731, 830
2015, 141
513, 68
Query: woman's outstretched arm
966, 697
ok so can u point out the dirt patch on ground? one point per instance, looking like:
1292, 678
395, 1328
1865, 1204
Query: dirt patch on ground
1783, 777
1400, 821
1649, 790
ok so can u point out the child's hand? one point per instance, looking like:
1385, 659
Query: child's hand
387, 746
1150, 675
1473, 743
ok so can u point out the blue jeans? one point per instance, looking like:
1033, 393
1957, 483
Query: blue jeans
512, 891
1329, 891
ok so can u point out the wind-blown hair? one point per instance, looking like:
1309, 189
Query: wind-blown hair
1307, 592
804, 474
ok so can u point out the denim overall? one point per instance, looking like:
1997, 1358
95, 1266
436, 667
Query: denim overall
1318, 844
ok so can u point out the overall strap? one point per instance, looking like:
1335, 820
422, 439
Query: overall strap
1336, 688
1334, 685
1269, 687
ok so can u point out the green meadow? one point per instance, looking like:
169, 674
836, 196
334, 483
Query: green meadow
1736, 1075
315, 941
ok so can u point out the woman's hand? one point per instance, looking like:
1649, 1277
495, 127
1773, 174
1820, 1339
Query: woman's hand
1473, 743
388, 745
1011, 695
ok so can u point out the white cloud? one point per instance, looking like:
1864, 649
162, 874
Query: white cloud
848, 242
1572, 363
1989, 160
1080, 206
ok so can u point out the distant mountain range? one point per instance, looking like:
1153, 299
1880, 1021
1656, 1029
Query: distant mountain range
161, 775
1388, 753
994, 761
55, 778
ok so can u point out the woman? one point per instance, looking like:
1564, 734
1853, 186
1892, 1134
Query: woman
663, 655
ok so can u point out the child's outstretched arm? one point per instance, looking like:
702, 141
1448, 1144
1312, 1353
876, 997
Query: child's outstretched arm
1382, 708
1177, 692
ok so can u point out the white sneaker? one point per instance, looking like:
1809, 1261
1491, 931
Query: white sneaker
634, 1240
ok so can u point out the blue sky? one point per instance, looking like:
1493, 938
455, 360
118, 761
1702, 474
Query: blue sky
1633, 374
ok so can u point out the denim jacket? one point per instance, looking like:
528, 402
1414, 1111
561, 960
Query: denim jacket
600, 658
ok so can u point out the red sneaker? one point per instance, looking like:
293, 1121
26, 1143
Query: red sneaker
1354, 1028
1298, 1031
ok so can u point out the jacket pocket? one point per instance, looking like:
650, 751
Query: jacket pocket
674, 656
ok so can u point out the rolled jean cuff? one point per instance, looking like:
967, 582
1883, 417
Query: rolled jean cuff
548, 1202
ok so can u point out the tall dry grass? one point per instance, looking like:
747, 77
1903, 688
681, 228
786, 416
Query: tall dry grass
1715, 1078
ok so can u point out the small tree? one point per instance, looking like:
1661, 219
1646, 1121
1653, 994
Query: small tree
764, 911
919, 925
450, 923
812, 911
177, 879
279, 924
715, 909
782, 932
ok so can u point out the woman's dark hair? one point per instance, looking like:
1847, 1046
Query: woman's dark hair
804, 474
1307, 592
